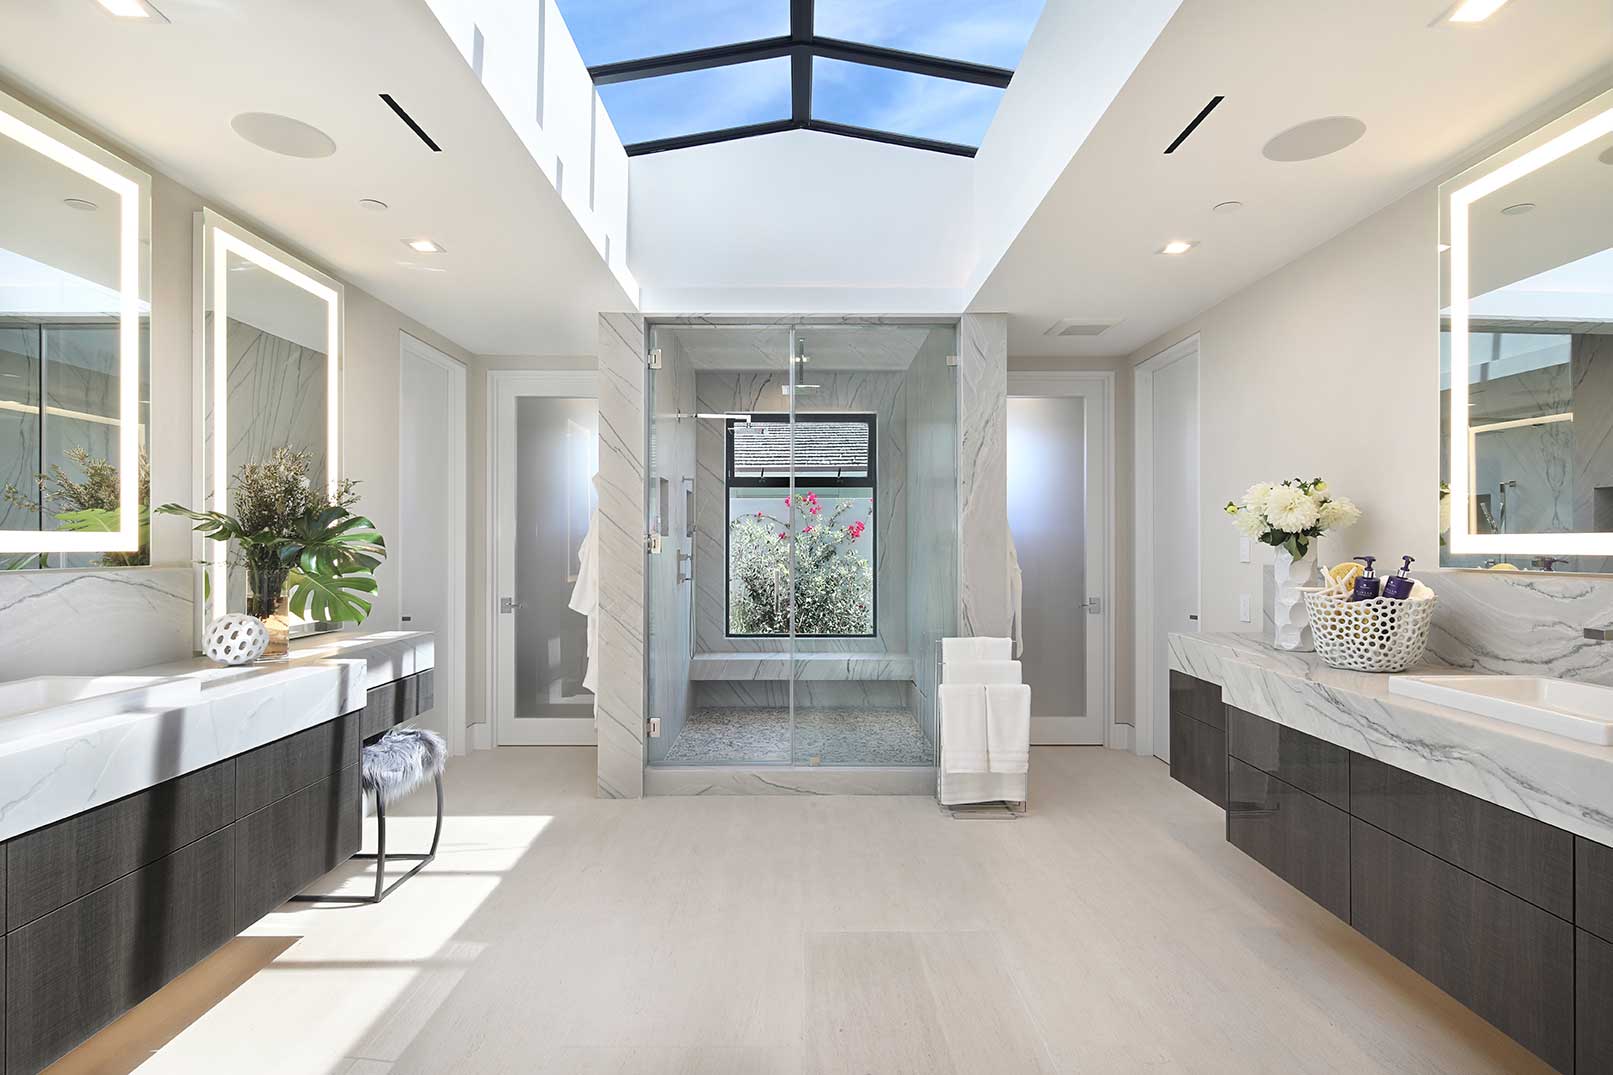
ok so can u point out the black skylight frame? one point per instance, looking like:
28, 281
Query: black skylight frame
801, 45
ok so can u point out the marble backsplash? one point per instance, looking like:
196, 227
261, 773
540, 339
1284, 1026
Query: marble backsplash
1515, 623
94, 622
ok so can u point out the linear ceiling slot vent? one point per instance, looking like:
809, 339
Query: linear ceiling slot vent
1198, 119
408, 119
1079, 326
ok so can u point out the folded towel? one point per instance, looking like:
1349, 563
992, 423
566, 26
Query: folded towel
982, 672
977, 649
1008, 727
963, 729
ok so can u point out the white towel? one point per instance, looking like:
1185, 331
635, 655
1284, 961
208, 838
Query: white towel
1008, 727
982, 672
977, 649
963, 729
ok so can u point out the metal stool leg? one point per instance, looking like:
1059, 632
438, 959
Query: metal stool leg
380, 858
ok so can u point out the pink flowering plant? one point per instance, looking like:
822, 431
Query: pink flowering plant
834, 575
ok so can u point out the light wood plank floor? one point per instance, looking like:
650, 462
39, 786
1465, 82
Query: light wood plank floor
1111, 930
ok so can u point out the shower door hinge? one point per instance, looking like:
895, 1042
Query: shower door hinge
952, 360
652, 542
655, 358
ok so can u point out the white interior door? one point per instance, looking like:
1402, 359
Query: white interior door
1171, 539
544, 440
1058, 514
429, 547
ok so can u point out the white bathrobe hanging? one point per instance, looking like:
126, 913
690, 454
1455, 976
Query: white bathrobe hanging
585, 594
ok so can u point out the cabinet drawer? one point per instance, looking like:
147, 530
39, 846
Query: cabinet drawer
1198, 699
390, 704
1594, 1002
283, 847
288, 765
1518, 853
53, 866
1199, 757
1593, 887
1306, 762
1296, 836
73, 971
1502, 956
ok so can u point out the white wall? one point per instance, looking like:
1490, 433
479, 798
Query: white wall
801, 222
585, 163
1078, 59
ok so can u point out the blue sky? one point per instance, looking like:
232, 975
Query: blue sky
982, 31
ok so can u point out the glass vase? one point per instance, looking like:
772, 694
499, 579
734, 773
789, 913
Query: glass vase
266, 599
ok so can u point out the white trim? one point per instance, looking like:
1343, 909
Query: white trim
1145, 676
132, 188
1065, 383
221, 237
452, 694
506, 385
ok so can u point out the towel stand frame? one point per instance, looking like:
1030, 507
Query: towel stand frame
989, 809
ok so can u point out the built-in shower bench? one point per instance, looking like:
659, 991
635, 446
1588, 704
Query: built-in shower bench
845, 667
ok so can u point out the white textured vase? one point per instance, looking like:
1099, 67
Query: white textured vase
1293, 622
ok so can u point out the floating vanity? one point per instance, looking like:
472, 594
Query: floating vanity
1477, 852
139, 837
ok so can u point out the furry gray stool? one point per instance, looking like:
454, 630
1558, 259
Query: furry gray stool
389, 768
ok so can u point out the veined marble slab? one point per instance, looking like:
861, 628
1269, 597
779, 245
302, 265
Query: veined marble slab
1556, 780
52, 773
847, 667
95, 621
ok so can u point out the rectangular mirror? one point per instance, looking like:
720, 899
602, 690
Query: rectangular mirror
269, 375
74, 321
1526, 352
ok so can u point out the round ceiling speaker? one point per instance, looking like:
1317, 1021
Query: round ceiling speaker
1315, 138
283, 135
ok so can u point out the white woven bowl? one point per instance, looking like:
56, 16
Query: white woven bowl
1381, 635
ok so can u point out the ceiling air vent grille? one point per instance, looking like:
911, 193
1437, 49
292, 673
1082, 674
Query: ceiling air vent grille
1080, 326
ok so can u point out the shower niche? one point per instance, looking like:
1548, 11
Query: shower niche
802, 505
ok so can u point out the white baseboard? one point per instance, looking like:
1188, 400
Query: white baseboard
480, 736
1122, 736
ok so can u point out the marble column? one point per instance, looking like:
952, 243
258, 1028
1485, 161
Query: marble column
619, 701
983, 475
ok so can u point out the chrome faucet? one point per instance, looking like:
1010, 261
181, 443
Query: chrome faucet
1603, 633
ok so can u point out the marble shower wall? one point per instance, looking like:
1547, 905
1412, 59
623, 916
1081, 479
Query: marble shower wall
619, 702
93, 622
882, 394
672, 459
983, 474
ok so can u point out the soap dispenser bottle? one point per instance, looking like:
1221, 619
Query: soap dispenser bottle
1399, 587
1366, 586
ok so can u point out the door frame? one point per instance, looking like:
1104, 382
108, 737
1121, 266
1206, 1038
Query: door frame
450, 689
1097, 386
1146, 677
504, 387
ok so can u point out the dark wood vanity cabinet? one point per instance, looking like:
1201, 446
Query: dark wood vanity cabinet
1198, 737
1295, 835
1593, 959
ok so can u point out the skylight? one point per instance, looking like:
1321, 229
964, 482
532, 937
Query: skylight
928, 74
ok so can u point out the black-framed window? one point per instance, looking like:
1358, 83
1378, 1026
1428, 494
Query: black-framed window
826, 526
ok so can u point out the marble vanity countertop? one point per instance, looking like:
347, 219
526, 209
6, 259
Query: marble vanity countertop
55, 770
1559, 781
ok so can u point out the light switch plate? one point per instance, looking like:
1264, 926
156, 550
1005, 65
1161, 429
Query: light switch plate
1245, 551
1245, 612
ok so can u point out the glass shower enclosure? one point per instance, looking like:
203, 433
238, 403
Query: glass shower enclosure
801, 502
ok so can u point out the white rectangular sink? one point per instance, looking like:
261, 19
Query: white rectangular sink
56, 699
1582, 711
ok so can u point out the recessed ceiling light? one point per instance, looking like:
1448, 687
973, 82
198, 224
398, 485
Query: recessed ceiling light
283, 135
1519, 209
1314, 138
1606, 156
1226, 207
1474, 10
374, 205
423, 246
1178, 246
132, 9
83, 205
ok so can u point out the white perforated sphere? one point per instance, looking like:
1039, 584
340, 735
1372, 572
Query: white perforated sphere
235, 639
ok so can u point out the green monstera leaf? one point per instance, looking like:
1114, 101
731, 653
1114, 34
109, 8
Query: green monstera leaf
333, 557
331, 596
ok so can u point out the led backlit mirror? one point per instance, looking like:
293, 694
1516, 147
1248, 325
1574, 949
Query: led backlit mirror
74, 318
1526, 340
269, 373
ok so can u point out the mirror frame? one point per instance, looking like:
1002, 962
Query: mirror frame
132, 187
217, 237
1555, 140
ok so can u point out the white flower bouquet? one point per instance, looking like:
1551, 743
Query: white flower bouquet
1291, 515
